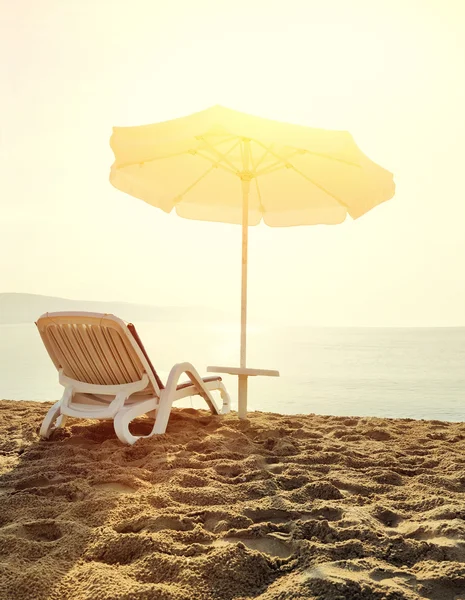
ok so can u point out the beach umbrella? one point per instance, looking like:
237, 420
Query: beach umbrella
227, 166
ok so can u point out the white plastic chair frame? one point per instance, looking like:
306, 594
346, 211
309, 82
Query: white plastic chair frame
107, 376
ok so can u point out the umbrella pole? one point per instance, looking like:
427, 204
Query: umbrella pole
242, 403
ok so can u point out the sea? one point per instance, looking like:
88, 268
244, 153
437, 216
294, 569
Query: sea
414, 373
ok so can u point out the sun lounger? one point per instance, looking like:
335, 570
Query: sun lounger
107, 374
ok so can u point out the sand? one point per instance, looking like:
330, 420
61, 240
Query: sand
275, 507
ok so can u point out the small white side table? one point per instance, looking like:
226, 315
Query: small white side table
243, 374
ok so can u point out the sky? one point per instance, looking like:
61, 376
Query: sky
388, 71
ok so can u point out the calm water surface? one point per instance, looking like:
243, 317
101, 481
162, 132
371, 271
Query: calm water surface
416, 373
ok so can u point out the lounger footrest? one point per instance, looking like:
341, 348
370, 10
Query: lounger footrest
186, 384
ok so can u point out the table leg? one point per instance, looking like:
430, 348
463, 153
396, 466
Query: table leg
242, 404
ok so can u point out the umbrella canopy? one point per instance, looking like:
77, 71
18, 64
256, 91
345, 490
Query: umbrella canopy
299, 175
227, 166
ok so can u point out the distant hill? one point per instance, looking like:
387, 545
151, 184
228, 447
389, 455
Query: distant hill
27, 308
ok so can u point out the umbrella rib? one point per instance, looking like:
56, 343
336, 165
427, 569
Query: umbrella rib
188, 189
289, 165
282, 162
285, 163
323, 189
252, 162
255, 165
262, 158
271, 169
268, 149
214, 165
223, 155
217, 163
303, 151
131, 164
175, 154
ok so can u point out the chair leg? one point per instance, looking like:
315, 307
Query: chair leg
124, 417
48, 424
163, 414
61, 421
225, 409
121, 425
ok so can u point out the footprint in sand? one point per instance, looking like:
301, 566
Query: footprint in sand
276, 468
38, 531
379, 435
114, 487
273, 515
186, 480
228, 470
327, 513
342, 572
387, 517
40, 481
393, 577
440, 533
269, 545
79, 441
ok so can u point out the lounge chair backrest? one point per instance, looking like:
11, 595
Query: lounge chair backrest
95, 348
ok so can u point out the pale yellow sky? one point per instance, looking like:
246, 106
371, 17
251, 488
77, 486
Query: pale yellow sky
390, 72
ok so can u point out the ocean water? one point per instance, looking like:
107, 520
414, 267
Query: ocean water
409, 373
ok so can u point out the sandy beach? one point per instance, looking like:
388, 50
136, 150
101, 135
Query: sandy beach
275, 507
